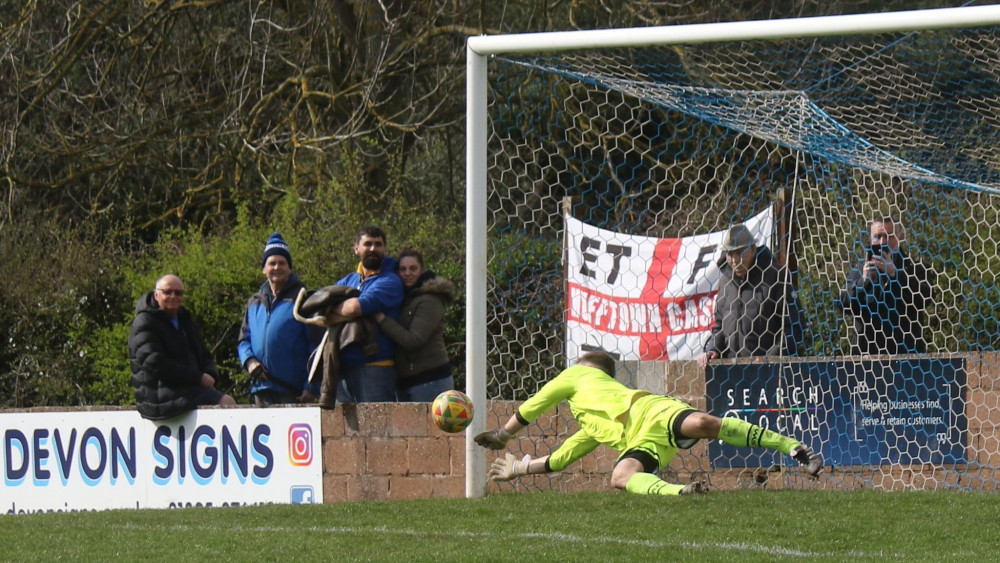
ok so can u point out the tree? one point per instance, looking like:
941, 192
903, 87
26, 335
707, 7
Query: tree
126, 123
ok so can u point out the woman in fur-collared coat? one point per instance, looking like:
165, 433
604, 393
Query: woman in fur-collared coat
423, 369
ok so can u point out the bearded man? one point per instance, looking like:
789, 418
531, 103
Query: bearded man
369, 378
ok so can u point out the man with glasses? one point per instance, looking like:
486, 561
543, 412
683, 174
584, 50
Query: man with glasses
172, 370
755, 305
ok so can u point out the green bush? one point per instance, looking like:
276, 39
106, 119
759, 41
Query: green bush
66, 291
64, 321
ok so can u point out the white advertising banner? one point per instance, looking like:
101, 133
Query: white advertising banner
76, 461
644, 298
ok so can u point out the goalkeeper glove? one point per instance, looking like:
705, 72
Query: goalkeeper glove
508, 467
495, 440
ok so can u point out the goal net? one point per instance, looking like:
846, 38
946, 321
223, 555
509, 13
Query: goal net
611, 166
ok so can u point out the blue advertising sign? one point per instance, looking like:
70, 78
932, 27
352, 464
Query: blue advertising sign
856, 412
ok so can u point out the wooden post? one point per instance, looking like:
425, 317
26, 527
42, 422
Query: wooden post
787, 230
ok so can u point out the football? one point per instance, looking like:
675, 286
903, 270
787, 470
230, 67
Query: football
452, 411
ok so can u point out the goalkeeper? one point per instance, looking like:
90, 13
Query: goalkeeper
647, 429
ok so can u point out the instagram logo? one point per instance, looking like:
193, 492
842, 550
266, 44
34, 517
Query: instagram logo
300, 450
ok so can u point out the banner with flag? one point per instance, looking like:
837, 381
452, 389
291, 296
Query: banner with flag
644, 298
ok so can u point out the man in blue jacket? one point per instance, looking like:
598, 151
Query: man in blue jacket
369, 376
274, 348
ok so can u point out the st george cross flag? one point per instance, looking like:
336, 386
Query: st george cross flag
644, 298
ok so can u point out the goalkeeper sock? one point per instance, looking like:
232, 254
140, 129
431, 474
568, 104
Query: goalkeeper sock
736, 432
649, 484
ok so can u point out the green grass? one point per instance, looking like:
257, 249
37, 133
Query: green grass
721, 526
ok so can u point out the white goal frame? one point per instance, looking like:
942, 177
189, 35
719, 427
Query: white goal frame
478, 48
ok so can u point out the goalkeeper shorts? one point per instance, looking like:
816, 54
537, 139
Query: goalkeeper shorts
653, 429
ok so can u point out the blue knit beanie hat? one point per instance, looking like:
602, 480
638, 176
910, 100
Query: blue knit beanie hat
276, 245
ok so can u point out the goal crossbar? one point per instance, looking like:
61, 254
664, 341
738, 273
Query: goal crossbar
820, 26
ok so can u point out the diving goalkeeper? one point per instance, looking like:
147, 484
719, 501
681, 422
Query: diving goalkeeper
646, 429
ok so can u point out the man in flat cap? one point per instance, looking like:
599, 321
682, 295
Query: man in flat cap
755, 305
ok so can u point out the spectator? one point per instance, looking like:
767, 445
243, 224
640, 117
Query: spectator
887, 295
750, 309
274, 347
172, 370
369, 378
423, 369
646, 429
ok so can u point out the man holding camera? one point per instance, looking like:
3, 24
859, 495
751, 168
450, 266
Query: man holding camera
887, 295
273, 347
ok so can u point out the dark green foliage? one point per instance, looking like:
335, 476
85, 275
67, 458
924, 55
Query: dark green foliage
526, 314
65, 317
62, 290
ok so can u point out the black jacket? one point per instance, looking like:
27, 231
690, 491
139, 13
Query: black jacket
167, 362
889, 312
749, 312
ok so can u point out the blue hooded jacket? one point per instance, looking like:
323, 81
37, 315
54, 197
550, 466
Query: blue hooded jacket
381, 292
271, 334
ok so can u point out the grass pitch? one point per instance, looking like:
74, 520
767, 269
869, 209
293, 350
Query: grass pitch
721, 526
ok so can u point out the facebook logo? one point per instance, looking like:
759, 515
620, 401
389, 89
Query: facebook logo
303, 494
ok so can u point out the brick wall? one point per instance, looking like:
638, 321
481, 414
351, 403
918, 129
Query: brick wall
393, 451
382, 451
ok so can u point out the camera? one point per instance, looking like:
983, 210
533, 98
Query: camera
878, 249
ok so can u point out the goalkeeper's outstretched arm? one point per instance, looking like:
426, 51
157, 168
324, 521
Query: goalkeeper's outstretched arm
497, 439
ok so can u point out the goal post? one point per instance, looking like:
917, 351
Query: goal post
737, 130
475, 270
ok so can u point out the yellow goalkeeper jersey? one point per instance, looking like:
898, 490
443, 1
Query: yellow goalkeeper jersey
596, 400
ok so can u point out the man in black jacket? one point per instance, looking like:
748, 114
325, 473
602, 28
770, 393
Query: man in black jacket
755, 305
887, 295
172, 369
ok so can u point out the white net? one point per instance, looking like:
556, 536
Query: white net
679, 142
